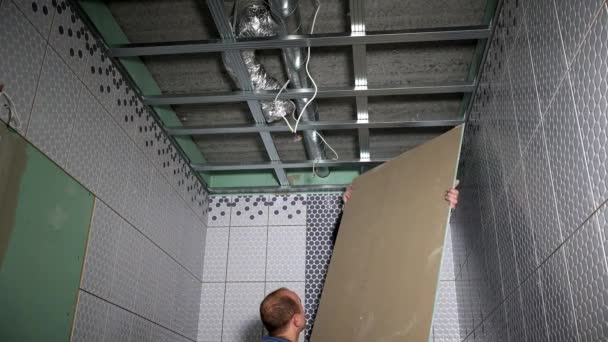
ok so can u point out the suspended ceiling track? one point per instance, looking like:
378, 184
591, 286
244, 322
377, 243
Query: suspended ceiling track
285, 165
319, 125
261, 95
358, 39
294, 41
357, 27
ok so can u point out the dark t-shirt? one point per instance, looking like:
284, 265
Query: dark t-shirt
273, 339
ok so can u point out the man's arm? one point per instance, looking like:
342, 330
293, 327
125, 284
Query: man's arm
451, 195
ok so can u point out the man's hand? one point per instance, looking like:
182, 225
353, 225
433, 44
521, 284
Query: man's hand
347, 194
452, 196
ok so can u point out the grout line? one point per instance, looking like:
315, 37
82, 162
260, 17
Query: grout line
227, 261
538, 268
149, 239
135, 314
31, 109
48, 46
578, 47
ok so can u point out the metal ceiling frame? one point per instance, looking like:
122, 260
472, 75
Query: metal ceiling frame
357, 28
358, 39
285, 164
318, 125
302, 93
306, 40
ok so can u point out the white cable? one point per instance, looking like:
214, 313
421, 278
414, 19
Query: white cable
312, 30
314, 171
293, 111
328, 145
12, 115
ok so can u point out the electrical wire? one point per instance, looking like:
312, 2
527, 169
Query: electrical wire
293, 111
312, 30
294, 129
12, 111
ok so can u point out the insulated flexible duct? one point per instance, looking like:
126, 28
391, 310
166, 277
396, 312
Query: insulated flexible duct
295, 60
255, 20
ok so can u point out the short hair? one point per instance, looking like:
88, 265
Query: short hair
276, 311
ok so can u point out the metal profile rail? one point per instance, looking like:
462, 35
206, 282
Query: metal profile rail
276, 189
357, 27
295, 41
319, 125
260, 95
286, 165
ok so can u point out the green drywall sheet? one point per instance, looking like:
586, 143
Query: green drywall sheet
44, 224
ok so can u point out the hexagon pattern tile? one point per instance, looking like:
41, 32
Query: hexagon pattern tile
54, 110
145, 247
517, 327
588, 272
219, 211
145, 251
589, 74
543, 212
547, 50
445, 320
557, 297
575, 18
211, 312
286, 257
100, 259
287, 210
525, 96
216, 255
39, 12
533, 309
248, 210
247, 254
20, 62
567, 161
241, 312
90, 318
323, 213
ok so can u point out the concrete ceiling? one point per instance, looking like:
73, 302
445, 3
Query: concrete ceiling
388, 65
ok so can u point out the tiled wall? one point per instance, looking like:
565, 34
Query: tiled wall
143, 268
258, 243
533, 221
255, 244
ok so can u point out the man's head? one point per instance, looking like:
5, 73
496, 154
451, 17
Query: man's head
282, 313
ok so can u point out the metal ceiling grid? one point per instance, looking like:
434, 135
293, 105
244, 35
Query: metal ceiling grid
358, 39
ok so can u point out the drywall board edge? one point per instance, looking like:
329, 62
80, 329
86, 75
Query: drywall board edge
382, 279
44, 225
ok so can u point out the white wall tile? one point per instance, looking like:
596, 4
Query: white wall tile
211, 312
247, 254
286, 253
216, 255
241, 312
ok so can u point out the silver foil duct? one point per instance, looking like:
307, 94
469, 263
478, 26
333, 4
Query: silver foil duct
255, 20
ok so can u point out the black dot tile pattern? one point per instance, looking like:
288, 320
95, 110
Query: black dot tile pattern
322, 220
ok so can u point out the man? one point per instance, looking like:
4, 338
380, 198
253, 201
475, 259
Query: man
282, 312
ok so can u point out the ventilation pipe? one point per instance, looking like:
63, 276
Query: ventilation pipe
288, 12
255, 20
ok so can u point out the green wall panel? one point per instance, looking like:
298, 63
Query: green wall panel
44, 224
